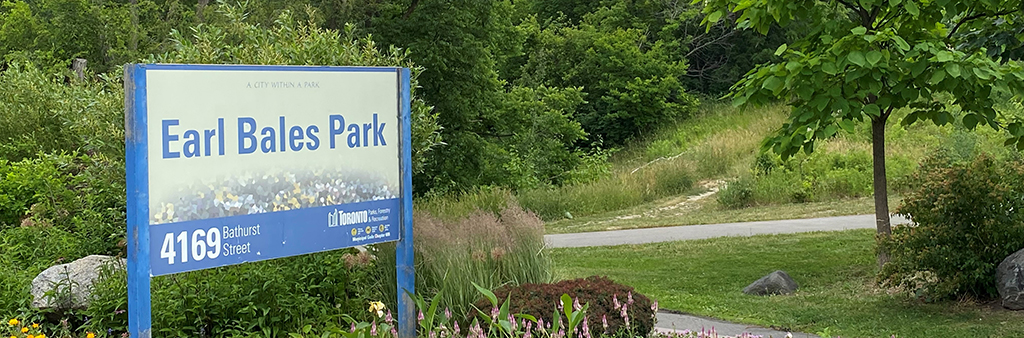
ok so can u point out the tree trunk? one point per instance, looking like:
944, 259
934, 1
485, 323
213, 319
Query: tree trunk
881, 184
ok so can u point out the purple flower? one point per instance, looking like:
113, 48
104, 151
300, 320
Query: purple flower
456, 329
433, 334
629, 297
373, 329
420, 316
512, 322
388, 319
353, 329
540, 323
494, 314
394, 333
576, 304
447, 313
604, 322
654, 306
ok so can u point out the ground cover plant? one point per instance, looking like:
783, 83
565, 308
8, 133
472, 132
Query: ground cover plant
835, 270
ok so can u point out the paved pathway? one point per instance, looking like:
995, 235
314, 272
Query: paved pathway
671, 321
685, 232
668, 322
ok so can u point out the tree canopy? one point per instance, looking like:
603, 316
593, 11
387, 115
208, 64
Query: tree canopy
861, 60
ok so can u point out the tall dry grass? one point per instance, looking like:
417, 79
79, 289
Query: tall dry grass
483, 247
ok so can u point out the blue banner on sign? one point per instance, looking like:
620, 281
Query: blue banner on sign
208, 243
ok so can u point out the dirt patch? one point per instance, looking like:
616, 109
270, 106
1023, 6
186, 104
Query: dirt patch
676, 206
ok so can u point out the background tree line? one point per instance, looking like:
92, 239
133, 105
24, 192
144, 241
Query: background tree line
516, 94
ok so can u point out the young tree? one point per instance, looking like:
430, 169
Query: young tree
864, 59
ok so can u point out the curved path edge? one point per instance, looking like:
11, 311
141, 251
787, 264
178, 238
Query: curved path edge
704, 231
676, 322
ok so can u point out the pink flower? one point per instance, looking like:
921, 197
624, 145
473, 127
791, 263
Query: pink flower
420, 316
654, 306
447, 313
540, 324
388, 319
394, 333
604, 322
512, 322
433, 334
629, 298
615, 301
576, 304
494, 314
373, 329
456, 329
353, 328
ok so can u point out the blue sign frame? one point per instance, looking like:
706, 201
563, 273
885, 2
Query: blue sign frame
140, 246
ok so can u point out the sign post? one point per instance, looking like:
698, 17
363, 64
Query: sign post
228, 164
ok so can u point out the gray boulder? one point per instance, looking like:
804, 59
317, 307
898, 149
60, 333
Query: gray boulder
775, 283
1010, 281
69, 285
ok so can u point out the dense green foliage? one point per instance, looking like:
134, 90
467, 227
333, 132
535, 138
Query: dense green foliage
967, 219
266, 299
602, 72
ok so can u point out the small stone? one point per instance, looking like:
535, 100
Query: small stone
775, 283
1010, 281
71, 284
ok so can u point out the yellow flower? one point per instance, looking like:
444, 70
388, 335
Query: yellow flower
30, 336
41, 336
12, 322
17, 337
35, 326
90, 335
378, 308
24, 329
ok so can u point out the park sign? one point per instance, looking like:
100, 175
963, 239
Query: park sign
228, 164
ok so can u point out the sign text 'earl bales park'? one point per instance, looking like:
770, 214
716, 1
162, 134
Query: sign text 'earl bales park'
250, 164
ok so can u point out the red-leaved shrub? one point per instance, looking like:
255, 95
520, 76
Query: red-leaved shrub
541, 300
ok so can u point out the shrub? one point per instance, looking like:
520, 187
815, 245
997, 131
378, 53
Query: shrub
268, 298
966, 220
41, 114
739, 194
539, 300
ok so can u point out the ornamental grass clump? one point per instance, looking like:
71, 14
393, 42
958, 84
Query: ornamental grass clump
484, 248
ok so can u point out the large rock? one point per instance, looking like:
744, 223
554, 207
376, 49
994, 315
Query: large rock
69, 284
775, 283
1010, 281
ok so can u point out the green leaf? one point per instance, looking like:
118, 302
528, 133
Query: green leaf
971, 121
953, 69
856, 57
847, 125
859, 30
872, 110
772, 83
873, 57
902, 44
829, 68
912, 8
982, 74
944, 56
781, 49
715, 16
937, 77
487, 293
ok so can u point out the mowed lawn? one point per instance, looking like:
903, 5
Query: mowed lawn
835, 270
